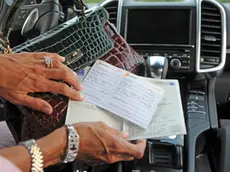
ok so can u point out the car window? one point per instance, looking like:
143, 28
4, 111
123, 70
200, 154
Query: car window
93, 1
99, 1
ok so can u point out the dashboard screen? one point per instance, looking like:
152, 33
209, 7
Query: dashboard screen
158, 26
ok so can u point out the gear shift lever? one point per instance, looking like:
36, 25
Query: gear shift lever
157, 67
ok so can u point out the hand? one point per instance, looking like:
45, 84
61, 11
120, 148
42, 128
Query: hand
25, 73
101, 144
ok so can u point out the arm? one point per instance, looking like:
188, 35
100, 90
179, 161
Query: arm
98, 144
50, 147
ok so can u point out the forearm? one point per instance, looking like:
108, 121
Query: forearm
52, 147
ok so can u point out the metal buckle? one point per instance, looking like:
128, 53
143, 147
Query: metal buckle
82, 5
4, 44
6, 50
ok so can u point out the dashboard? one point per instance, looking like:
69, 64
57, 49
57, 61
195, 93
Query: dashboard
191, 34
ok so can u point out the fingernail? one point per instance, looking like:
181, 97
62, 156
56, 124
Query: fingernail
82, 87
63, 58
82, 97
125, 134
47, 110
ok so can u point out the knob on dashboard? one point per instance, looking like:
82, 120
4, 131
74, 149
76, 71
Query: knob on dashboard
175, 63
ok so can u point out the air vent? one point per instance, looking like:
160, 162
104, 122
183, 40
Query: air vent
111, 6
212, 36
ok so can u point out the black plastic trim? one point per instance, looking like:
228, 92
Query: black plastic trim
212, 104
224, 135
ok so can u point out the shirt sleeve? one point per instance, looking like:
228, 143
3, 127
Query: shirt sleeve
7, 166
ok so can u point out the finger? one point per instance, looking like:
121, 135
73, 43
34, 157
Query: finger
141, 145
55, 63
66, 74
133, 150
41, 55
61, 88
36, 104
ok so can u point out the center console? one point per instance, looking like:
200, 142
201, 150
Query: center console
192, 36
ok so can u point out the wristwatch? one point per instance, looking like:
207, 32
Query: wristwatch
35, 154
73, 145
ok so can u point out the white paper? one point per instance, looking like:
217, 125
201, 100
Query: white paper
122, 93
85, 112
169, 118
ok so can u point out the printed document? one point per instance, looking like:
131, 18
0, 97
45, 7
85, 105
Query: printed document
122, 93
167, 121
169, 118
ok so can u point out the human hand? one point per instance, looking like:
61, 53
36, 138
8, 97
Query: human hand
101, 144
25, 73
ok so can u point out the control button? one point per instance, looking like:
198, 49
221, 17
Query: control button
192, 108
23, 11
201, 109
192, 103
175, 63
185, 55
193, 92
192, 111
201, 93
201, 112
201, 98
193, 97
184, 67
185, 61
200, 106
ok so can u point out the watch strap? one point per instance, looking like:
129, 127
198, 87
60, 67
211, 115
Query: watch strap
73, 144
35, 154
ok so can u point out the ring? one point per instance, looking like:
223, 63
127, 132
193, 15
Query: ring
48, 62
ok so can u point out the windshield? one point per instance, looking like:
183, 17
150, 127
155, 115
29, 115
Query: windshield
99, 1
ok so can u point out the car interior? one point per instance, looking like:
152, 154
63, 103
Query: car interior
193, 37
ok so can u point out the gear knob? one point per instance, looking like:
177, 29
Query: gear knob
157, 67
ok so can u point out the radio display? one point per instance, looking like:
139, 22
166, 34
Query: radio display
158, 26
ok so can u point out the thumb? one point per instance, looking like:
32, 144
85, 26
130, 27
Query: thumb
37, 104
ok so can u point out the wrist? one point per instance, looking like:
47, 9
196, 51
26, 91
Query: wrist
53, 146
73, 145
